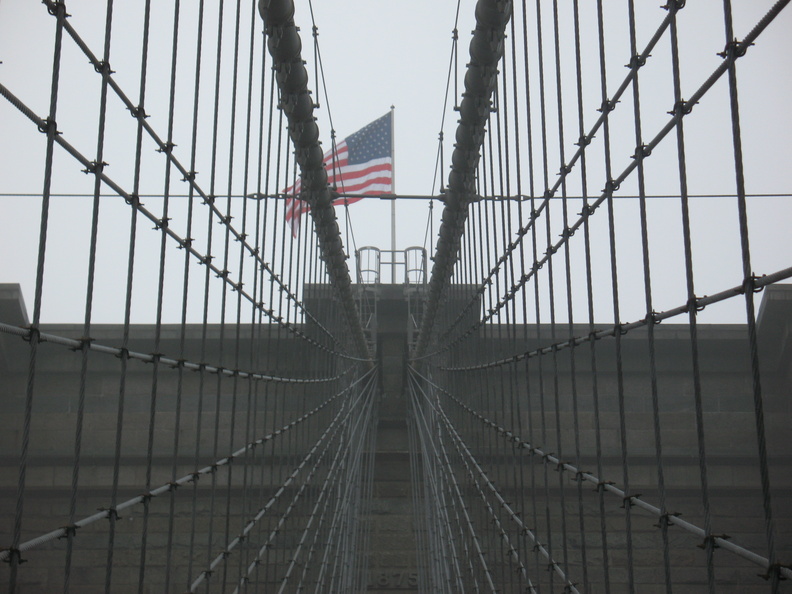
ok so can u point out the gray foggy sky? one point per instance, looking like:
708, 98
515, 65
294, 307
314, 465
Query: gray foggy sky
377, 54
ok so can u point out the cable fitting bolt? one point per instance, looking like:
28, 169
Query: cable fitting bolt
674, 5
69, 530
627, 501
103, 67
112, 513
642, 151
607, 106
734, 49
709, 541
14, 556
681, 108
48, 126
774, 569
665, 519
637, 61
94, 167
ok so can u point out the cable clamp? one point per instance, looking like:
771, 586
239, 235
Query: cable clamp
627, 500
674, 5
681, 108
93, 167
584, 140
548, 193
749, 285
709, 541
693, 305
611, 186
602, 484
85, 343
641, 151
112, 514
579, 475
14, 556
161, 223
774, 569
665, 519
69, 531
637, 61
103, 67
564, 170
33, 334
653, 317
52, 8
48, 126
734, 49
138, 112
607, 106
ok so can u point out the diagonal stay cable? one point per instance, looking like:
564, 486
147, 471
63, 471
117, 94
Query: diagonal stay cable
607, 486
75, 344
187, 478
505, 505
183, 242
333, 473
426, 435
329, 434
697, 304
166, 148
425, 438
678, 112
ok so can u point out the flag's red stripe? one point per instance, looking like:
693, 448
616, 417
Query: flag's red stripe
359, 188
351, 176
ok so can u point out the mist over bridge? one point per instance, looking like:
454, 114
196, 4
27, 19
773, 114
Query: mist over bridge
542, 406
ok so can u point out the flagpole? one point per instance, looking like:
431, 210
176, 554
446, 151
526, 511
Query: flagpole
393, 202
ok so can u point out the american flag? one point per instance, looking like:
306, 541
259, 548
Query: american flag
361, 164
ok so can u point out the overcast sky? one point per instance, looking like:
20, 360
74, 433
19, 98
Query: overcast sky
376, 54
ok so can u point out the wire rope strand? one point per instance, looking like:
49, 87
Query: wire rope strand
58, 10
